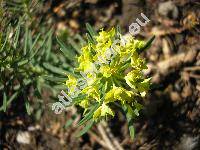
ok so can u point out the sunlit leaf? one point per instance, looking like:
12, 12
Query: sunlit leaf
67, 51
27, 105
86, 128
147, 45
91, 30
54, 69
89, 115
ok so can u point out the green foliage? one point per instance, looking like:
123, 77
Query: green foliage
18, 63
27, 63
86, 128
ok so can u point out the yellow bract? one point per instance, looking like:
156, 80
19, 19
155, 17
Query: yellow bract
104, 36
102, 111
133, 77
92, 92
71, 83
107, 71
84, 103
85, 60
119, 93
143, 86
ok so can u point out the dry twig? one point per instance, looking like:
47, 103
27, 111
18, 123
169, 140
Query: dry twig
105, 137
115, 141
98, 140
174, 63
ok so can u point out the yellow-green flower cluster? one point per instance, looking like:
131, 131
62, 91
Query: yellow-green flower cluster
103, 65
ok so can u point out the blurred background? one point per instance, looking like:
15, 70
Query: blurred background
33, 72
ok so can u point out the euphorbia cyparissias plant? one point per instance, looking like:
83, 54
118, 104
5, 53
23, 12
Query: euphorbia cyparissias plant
104, 65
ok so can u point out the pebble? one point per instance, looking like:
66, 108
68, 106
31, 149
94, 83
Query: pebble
168, 9
23, 137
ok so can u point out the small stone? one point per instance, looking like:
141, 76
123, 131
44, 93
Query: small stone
23, 137
187, 142
168, 9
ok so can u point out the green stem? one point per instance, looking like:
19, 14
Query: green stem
112, 81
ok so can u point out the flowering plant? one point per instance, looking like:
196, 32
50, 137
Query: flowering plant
101, 82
